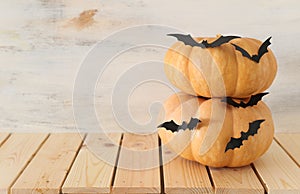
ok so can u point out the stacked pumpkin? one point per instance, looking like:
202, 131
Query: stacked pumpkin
219, 119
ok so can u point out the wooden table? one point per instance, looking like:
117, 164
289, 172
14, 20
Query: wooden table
63, 163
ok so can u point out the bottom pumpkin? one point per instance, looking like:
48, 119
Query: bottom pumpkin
215, 133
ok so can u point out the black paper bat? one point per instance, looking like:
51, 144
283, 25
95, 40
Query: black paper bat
261, 51
238, 142
254, 99
172, 126
188, 40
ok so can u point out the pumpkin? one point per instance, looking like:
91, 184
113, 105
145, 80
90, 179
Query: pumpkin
225, 135
238, 68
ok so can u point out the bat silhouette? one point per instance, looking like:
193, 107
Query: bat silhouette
172, 126
261, 51
188, 40
254, 99
238, 142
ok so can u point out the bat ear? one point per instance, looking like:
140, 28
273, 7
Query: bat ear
178, 35
173, 35
259, 96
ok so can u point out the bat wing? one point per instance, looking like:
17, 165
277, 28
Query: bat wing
221, 40
262, 50
170, 125
253, 100
187, 40
238, 142
234, 143
256, 98
253, 128
193, 123
229, 101
244, 52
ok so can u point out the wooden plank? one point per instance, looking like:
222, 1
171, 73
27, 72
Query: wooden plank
93, 172
48, 169
278, 171
3, 137
236, 180
15, 154
138, 152
28, 89
184, 176
291, 144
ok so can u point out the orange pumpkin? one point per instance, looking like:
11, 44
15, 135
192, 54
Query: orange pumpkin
222, 70
221, 124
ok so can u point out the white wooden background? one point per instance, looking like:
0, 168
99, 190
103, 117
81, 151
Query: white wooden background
42, 43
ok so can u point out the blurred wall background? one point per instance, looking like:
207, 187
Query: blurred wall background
42, 43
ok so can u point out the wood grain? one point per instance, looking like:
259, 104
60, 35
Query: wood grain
184, 176
278, 171
48, 169
236, 180
135, 154
15, 154
3, 137
93, 172
291, 144
38, 163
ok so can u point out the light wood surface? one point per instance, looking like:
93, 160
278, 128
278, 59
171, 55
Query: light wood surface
92, 173
48, 169
278, 171
236, 180
132, 156
3, 137
39, 163
291, 143
15, 154
184, 176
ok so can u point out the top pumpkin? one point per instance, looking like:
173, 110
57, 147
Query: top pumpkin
220, 70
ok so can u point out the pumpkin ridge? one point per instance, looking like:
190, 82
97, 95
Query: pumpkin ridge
193, 67
172, 65
186, 67
188, 70
265, 85
211, 68
237, 74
